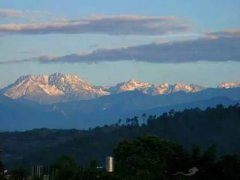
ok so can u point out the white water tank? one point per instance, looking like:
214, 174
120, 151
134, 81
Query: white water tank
109, 164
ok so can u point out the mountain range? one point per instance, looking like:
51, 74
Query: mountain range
57, 87
66, 101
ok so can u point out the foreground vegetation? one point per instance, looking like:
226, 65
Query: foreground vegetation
218, 126
147, 158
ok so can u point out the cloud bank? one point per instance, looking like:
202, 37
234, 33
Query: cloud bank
111, 25
11, 13
232, 33
216, 46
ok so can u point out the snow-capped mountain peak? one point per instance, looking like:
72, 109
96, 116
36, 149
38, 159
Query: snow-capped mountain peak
166, 88
130, 85
185, 87
154, 89
31, 84
227, 85
59, 86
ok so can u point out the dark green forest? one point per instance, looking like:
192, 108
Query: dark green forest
144, 158
190, 137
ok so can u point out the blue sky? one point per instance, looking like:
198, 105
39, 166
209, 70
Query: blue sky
32, 29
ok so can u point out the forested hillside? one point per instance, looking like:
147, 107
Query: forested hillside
218, 126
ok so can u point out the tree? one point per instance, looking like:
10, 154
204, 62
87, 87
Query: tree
147, 157
19, 174
119, 122
171, 113
132, 121
1, 171
66, 168
144, 118
135, 121
228, 167
204, 161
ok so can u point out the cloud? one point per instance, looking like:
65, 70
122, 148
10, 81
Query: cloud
225, 33
11, 13
111, 25
34, 59
26, 16
225, 46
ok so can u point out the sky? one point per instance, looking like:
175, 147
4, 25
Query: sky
106, 42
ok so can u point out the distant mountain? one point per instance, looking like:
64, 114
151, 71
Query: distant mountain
201, 104
108, 109
18, 115
52, 88
22, 114
154, 89
227, 85
81, 105
57, 87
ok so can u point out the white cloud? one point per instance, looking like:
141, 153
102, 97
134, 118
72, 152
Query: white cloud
224, 47
12, 13
112, 25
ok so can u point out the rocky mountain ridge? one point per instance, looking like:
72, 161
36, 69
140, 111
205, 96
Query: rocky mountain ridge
60, 87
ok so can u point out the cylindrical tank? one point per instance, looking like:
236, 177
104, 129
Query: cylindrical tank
109, 164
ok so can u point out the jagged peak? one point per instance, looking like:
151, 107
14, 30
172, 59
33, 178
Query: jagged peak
70, 86
24, 77
131, 81
178, 84
164, 84
30, 77
58, 74
227, 85
50, 77
64, 77
56, 84
134, 81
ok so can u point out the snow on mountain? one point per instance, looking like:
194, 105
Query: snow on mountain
64, 87
59, 87
227, 85
186, 88
154, 89
131, 85
159, 89
72, 85
29, 84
